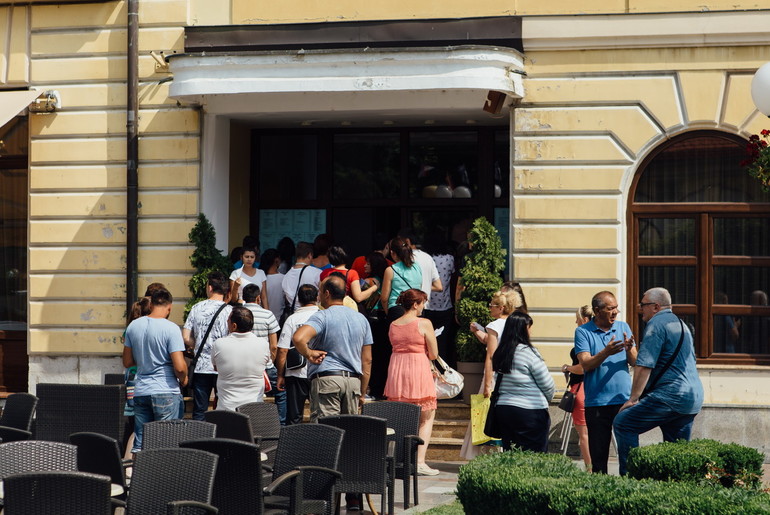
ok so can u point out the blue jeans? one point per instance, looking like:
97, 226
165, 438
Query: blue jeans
279, 396
201, 389
149, 408
640, 418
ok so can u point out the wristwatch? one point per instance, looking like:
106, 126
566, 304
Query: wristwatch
564, 368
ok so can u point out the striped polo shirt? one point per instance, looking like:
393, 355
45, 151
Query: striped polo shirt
529, 385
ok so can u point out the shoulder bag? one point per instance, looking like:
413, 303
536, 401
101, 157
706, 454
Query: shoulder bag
402, 278
492, 424
194, 362
651, 384
288, 310
449, 383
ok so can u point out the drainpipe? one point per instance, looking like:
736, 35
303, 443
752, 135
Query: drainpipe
132, 155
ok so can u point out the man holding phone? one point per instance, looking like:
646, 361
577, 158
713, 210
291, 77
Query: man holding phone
605, 348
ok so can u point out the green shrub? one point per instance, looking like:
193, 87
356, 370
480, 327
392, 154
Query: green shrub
454, 508
726, 464
206, 258
531, 483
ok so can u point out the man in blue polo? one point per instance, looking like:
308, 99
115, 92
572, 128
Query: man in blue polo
674, 393
605, 348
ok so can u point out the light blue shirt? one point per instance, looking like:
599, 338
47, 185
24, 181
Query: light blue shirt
610, 382
152, 340
529, 385
679, 387
404, 278
342, 333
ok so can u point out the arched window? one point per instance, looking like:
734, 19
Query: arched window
700, 227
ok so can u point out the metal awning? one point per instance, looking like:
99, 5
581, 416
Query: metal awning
14, 102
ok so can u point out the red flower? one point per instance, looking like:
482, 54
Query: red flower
765, 132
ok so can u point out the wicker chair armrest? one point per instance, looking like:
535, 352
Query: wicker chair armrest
414, 440
271, 488
174, 507
310, 468
12, 434
267, 468
117, 503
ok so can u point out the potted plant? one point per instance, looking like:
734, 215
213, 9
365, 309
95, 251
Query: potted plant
480, 277
205, 259
757, 163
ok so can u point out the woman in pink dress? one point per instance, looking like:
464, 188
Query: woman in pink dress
409, 375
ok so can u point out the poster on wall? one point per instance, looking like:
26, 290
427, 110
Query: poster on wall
297, 224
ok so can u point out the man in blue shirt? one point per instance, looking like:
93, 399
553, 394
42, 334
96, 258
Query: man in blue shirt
605, 348
674, 393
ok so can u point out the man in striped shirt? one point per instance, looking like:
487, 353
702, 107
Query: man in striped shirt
266, 326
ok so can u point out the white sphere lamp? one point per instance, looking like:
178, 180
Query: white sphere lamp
760, 89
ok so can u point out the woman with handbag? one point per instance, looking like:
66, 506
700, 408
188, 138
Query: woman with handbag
575, 385
523, 388
409, 375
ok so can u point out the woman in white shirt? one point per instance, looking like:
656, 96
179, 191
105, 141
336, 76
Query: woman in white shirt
248, 274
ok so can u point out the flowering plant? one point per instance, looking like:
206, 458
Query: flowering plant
758, 161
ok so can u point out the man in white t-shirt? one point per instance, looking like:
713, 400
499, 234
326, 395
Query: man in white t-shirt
295, 381
431, 281
240, 360
304, 268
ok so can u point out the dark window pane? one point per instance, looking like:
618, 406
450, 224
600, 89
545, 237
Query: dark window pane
366, 166
666, 237
699, 169
442, 164
453, 226
728, 333
740, 284
742, 236
754, 337
502, 160
678, 280
288, 167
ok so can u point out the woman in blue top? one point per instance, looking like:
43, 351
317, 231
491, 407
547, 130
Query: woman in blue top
525, 389
403, 275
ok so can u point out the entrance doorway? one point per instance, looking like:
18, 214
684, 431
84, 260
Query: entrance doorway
363, 185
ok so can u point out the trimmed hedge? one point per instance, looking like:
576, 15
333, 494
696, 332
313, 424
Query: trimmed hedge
728, 464
532, 483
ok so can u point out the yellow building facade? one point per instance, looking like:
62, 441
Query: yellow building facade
594, 94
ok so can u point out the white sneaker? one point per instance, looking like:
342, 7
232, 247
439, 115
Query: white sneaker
424, 470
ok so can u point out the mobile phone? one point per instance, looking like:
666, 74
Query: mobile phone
477, 326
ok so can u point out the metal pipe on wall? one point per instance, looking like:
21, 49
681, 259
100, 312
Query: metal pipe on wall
132, 155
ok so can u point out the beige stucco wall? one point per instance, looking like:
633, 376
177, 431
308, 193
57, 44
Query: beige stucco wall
78, 175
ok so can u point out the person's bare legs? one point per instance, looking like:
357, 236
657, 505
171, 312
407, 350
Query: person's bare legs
425, 430
582, 432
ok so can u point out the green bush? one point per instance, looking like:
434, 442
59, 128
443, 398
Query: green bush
480, 279
726, 464
531, 483
206, 258
454, 508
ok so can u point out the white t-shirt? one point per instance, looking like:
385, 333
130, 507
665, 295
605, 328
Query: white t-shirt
497, 325
275, 294
240, 360
257, 279
311, 275
429, 272
291, 325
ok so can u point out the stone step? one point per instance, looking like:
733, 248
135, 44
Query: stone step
444, 449
453, 410
445, 428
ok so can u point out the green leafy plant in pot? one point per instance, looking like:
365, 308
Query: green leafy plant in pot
206, 258
480, 278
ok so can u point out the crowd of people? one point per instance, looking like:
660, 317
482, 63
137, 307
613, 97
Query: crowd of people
299, 322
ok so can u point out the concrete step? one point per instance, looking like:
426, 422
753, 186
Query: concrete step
453, 410
445, 428
444, 449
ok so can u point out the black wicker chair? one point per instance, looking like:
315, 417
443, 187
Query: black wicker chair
99, 454
265, 424
64, 409
114, 379
366, 459
404, 419
16, 421
36, 456
230, 424
57, 493
171, 481
314, 451
165, 434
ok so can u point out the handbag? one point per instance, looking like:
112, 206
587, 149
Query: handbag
479, 411
266, 379
194, 362
492, 425
567, 402
449, 383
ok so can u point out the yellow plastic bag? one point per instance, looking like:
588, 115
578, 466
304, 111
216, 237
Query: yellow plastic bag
479, 408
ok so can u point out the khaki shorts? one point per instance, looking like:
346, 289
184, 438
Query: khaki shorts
334, 395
